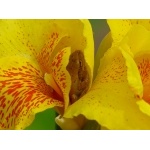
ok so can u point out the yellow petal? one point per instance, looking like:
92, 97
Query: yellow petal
51, 82
23, 92
133, 75
136, 40
118, 28
104, 46
110, 101
89, 48
143, 22
144, 106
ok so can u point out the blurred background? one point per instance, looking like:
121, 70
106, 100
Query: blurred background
46, 120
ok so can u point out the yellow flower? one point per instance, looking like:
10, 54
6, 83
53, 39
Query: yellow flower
137, 43
49, 63
35, 67
119, 96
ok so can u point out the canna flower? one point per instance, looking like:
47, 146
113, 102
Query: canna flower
43, 64
137, 44
119, 96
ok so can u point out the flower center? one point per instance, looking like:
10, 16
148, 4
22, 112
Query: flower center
79, 76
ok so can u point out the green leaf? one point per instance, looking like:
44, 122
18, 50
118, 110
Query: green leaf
44, 121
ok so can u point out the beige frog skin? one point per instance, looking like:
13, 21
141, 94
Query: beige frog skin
79, 75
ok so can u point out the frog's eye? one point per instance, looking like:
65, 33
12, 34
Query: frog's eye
80, 63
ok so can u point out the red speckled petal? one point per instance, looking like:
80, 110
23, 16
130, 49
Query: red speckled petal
23, 37
60, 74
44, 57
23, 92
